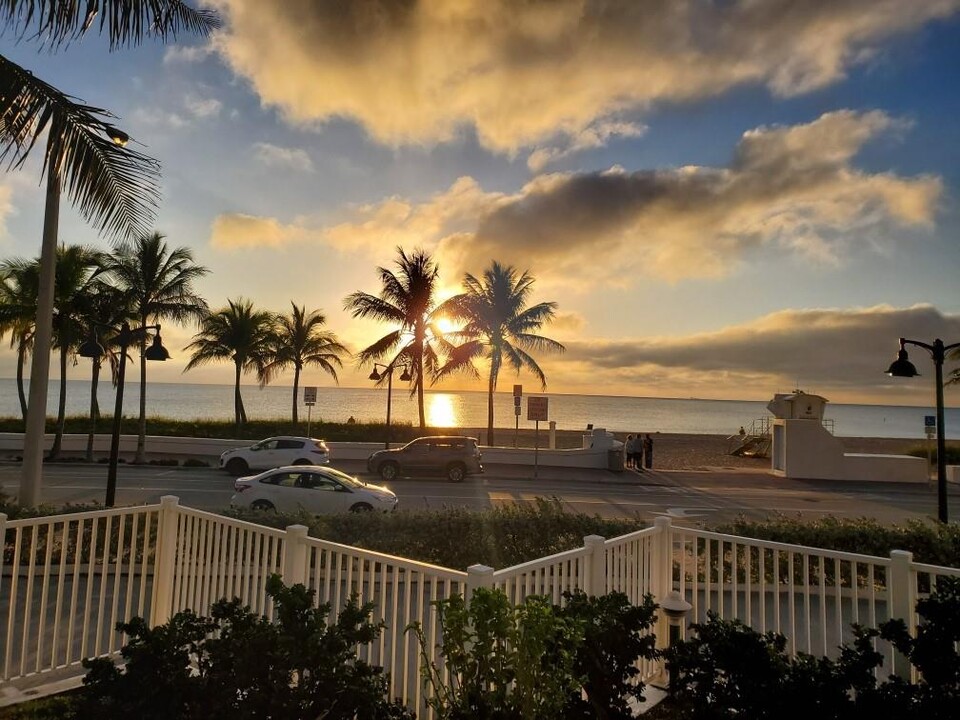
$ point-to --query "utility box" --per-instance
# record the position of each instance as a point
(615, 460)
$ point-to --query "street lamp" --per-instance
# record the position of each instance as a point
(676, 609)
(902, 367)
(388, 371)
(35, 426)
(93, 349)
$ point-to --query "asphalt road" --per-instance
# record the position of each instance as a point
(683, 495)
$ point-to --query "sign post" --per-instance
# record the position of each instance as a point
(309, 399)
(930, 427)
(537, 410)
(517, 393)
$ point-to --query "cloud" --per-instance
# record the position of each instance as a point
(288, 158)
(597, 135)
(788, 189)
(186, 54)
(236, 231)
(202, 108)
(824, 350)
(7, 209)
(520, 73)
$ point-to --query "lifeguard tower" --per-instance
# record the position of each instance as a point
(804, 449)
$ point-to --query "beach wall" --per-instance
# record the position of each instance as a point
(209, 449)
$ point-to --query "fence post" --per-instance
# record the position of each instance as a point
(478, 576)
(901, 594)
(165, 560)
(661, 575)
(595, 575)
(295, 555)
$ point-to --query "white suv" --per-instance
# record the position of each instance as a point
(275, 452)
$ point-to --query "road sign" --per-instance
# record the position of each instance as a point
(517, 390)
(516, 400)
(537, 408)
(930, 421)
(516, 409)
(309, 395)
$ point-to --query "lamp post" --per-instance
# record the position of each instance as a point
(902, 367)
(35, 427)
(388, 371)
(93, 349)
(676, 609)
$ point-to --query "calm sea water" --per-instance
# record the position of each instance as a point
(469, 409)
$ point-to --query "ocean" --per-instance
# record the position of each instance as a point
(469, 409)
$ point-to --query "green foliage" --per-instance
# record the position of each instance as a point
(238, 665)
(731, 671)
(56, 707)
(934, 543)
(498, 537)
(194, 463)
(534, 660)
(614, 634)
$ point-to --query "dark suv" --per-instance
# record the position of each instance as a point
(450, 455)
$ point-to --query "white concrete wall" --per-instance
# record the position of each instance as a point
(806, 450)
(209, 449)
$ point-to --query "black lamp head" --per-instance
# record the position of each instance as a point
(902, 367)
(157, 351)
(405, 375)
(91, 347)
(374, 375)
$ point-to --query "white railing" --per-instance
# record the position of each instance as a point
(65, 582)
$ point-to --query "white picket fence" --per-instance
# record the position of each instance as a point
(66, 580)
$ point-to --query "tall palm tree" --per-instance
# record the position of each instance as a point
(498, 327)
(157, 284)
(239, 333)
(406, 301)
(19, 280)
(78, 272)
(298, 340)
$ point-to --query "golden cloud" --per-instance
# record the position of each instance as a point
(519, 74)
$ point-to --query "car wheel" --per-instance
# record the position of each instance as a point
(389, 471)
(361, 507)
(302, 461)
(237, 466)
(456, 472)
(263, 505)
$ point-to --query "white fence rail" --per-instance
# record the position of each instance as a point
(65, 582)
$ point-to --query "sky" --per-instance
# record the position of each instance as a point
(726, 199)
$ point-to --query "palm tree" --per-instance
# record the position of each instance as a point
(157, 284)
(406, 301)
(298, 340)
(499, 327)
(78, 272)
(19, 280)
(238, 333)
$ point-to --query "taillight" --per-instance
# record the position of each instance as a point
(241, 487)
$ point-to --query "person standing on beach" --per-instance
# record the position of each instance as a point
(648, 451)
(629, 451)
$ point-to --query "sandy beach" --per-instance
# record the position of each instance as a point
(680, 451)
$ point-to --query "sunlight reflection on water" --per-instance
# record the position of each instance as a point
(441, 410)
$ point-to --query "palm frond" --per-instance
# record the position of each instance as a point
(114, 188)
(124, 22)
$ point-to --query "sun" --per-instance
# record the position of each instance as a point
(446, 325)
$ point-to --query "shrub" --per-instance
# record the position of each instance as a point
(535, 660)
(164, 462)
(238, 665)
(194, 463)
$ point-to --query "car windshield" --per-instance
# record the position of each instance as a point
(347, 480)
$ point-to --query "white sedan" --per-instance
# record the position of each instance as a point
(316, 490)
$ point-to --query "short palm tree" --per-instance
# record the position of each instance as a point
(157, 284)
(406, 301)
(298, 341)
(19, 281)
(239, 333)
(498, 327)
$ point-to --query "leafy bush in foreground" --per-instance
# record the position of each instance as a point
(236, 665)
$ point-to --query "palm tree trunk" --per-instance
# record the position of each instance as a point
(237, 402)
(94, 408)
(21, 361)
(490, 388)
(61, 407)
(296, 387)
(141, 456)
(423, 417)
